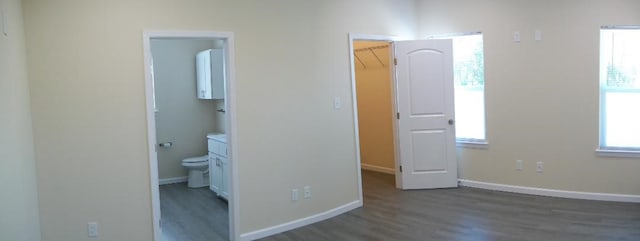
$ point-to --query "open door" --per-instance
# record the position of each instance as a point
(425, 99)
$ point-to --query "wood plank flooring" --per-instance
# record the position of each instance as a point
(192, 214)
(470, 214)
(459, 214)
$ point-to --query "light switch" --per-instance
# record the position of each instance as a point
(337, 103)
(538, 35)
(516, 36)
(92, 229)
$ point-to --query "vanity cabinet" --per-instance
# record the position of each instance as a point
(218, 165)
(210, 74)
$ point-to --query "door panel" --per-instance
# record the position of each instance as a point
(426, 146)
(425, 104)
(426, 80)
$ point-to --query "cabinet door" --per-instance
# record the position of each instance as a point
(215, 174)
(203, 74)
(212, 167)
(225, 178)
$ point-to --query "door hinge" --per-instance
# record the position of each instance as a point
(395, 61)
(400, 168)
(398, 115)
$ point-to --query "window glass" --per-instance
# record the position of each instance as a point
(468, 58)
(620, 88)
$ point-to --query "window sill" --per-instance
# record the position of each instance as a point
(618, 153)
(473, 144)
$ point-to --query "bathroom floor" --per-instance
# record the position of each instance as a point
(192, 214)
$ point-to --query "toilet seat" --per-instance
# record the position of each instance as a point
(195, 164)
(198, 171)
(197, 159)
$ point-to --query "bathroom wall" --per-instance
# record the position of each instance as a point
(541, 97)
(220, 121)
(181, 118)
(375, 113)
(19, 217)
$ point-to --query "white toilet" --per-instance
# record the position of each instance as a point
(198, 168)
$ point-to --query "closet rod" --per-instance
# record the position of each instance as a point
(371, 48)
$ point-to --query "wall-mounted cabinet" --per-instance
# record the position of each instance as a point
(210, 74)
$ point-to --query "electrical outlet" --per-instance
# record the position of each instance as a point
(540, 166)
(307, 192)
(519, 165)
(294, 194)
(92, 229)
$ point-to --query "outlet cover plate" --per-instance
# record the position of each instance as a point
(307, 192)
(519, 165)
(540, 166)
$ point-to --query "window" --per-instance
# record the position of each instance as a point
(468, 67)
(620, 88)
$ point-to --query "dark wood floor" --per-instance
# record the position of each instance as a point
(192, 214)
(444, 214)
(470, 214)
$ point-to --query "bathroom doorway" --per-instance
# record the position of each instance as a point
(185, 125)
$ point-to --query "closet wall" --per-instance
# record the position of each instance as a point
(375, 112)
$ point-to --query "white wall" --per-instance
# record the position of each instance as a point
(19, 219)
(86, 72)
(87, 91)
(541, 97)
(182, 118)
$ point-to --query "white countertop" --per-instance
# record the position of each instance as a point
(217, 136)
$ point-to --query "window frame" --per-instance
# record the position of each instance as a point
(603, 150)
(473, 143)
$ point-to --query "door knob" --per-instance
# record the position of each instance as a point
(451, 122)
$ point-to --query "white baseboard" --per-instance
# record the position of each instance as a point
(300, 222)
(377, 168)
(552, 192)
(172, 180)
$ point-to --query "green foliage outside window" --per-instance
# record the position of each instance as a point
(470, 72)
(619, 78)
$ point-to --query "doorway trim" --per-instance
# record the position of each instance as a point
(369, 37)
(230, 120)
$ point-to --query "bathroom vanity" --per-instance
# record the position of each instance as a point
(218, 165)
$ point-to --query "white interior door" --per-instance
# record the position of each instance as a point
(426, 114)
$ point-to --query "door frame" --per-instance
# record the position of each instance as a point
(383, 38)
(230, 120)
